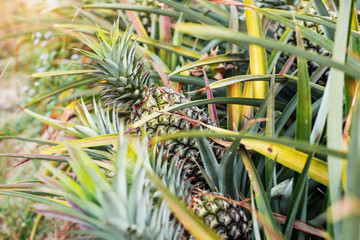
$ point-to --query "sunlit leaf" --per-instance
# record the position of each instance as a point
(238, 37)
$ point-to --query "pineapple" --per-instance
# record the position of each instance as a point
(224, 216)
(146, 18)
(308, 45)
(125, 83)
(279, 30)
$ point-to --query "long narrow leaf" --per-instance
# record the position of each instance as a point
(298, 195)
(210, 164)
(156, 43)
(210, 60)
(62, 73)
(227, 182)
(109, 139)
(271, 229)
(335, 116)
(192, 13)
(258, 61)
(238, 37)
(352, 223)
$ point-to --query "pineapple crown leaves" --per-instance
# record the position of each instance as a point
(101, 122)
(126, 206)
(123, 77)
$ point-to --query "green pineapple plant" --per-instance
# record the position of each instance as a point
(172, 169)
(129, 87)
(125, 83)
(279, 29)
(123, 206)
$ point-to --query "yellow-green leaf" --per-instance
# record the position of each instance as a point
(109, 139)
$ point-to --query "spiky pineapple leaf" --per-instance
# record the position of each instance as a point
(49, 121)
(331, 24)
(302, 132)
(285, 115)
(322, 11)
(351, 224)
(317, 90)
(210, 60)
(39, 141)
(335, 114)
(132, 7)
(319, 39)
(32, 197)
(35, 156)
(56, 91)
(227, 179)
(124, 207)
(198, 16)
(298, 195)
(271, 229)
(62, 73)
(65, 182)
(290, 158)
(258, 58)
(177, 41)
(275, 54)
(281, 153)
(155, 43)
(68, 214)
(234, 112)
(102, 140)
(216, 8)
(238, 37)
(218, 133)
(210, 163)
(270, 169)
(303, 113)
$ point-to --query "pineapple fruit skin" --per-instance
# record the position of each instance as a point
(224, 216)
(308, 45)
(185, 149)
(279, 30)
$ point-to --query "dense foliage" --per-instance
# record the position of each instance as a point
(189, 119)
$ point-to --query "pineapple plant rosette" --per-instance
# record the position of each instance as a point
(124, 206)
(125, 84)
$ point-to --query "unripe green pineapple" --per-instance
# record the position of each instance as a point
(125, 83)
(224, 216)
(159, 98)
(308, 45)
